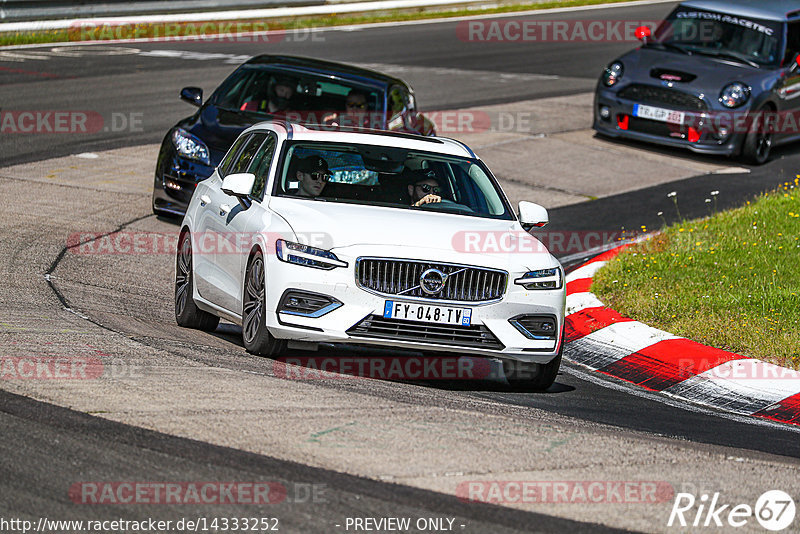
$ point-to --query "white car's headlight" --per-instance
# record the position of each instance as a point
(541, 279)
(190, 146)
(613, 73)
(734, 95)
(306, 255)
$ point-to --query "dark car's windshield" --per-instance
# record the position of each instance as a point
(301, 97)
(393, 177)
(751, 41)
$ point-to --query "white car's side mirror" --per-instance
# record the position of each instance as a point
(239, 185)
(532, 215)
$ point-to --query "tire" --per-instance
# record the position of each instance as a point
(187, 314)
(758, 142)
(518, 374)
(255, 334)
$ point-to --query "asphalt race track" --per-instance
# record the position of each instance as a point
(178, 406)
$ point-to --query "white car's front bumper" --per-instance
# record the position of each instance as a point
(491, 333)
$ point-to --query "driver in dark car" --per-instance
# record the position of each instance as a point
(280, 92)
(424, 187)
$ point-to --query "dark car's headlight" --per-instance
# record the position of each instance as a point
(541, 279)
(190, 146)
(734, 95)
(613, 73)
(306, 255)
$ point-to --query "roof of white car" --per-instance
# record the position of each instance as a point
(300, 132)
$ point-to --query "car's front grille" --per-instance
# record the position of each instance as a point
(461, 336)
(661, 129)
(673, 99)
(402, 278)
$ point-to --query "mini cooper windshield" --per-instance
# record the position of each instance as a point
(695, 31)
(394, 177)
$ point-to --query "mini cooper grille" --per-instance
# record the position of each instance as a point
(401, 278)
(650, 94)
(460, 336)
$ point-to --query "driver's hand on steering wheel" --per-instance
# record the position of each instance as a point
(428, 199)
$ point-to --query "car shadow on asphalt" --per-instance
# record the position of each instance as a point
(446, 371)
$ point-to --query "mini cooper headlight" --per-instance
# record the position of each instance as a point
(306, 255)
(613, 73)
(734, 95)
(541, 279)
(190, 146)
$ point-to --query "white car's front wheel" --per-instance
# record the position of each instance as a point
(255, 334)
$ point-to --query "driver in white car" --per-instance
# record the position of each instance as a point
(424, 188)
(312, 174)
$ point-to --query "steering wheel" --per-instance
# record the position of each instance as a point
(447, 205)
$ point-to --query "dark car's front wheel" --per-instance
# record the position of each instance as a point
(186, 311)
(758, 142)
(255, 334)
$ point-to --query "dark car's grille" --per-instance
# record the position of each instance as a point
(650, 94)
(402, 278)
(661, 129)
(461, 336)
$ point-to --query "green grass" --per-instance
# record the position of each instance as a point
(146, 31)
(731, 280)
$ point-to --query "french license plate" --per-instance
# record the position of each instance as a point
(427, 314)
(658, 114)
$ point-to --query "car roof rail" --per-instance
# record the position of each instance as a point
(356, 129)
(459, 143)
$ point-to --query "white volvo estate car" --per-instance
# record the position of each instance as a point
(365, 237)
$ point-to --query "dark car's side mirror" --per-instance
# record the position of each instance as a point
(192, 95)
(642, 33)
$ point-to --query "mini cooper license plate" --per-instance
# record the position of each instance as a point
(658, 114)
(426, 313)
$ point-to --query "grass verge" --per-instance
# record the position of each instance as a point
(146, 31)
(731, 280)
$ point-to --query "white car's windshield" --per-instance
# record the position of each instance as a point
(752, 41)
(400, 178)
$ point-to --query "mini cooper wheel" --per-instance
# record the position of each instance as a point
(255, 334)
(758, 142)
(186, 311)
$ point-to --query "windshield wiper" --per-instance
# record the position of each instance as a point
(728, 55)
(672, 46)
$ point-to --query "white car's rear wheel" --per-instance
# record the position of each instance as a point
(255, 334)
(186, 311)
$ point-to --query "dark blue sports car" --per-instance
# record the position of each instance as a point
(267, 87)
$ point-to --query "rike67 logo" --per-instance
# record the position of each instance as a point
(774, 510)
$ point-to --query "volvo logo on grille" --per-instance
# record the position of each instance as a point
(432, 281)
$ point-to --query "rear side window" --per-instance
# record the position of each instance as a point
(231, 155)
(261, 164)
(248, 152)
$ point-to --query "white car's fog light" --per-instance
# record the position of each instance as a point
(306, 304)
(541, 279)
(306, 255)
(535, 326)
